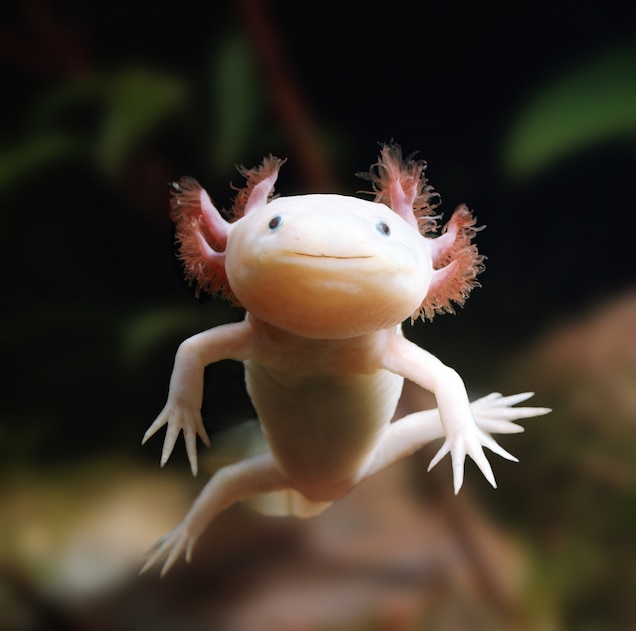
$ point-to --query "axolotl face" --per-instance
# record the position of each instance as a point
(327, 266)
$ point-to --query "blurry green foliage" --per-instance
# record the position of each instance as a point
(107, 124)
(236, 102)
(137, 102)
(107, 116)
(102, 118)
(33, 154)
(589, 104)
(143, 332)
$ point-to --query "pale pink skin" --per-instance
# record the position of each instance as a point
(326, 290)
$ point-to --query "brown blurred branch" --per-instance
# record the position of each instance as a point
(286, 97)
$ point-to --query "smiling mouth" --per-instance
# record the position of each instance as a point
(329, 256)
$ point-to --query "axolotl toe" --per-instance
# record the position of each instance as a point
(326, 282)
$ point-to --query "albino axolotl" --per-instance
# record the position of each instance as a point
(326, 281)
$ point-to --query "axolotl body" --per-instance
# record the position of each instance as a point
(326, 281)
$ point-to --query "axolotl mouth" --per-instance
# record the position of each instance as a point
(332, 263)
(332, 256)
(336, 263)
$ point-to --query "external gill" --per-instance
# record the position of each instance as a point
(202, 232)
(456, 264)
(400, 183)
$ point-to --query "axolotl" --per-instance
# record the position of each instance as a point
(326, 282)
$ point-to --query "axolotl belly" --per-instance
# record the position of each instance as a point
(324, 415)
(326, 281)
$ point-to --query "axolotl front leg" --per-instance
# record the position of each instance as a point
(463, 436)
(182, 411)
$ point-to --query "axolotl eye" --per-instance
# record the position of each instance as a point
(383, 228)
(275, 222)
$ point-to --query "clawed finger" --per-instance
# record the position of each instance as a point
(499, 426)
(168, 443)
(513, 399)
(156, 551)
(492, 444)
(512, 414)
(458, 455)
(171, 546)
(479, 457)
(175, 552)
(443, 450)
(159, 422)
(486, 399)
(189, 549)
(190, 438)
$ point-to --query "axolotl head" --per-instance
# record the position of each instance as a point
(329, 266)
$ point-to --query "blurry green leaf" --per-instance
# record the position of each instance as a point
(66, 99)
(137, 102)
(236, 101)
(144, 332)
(123, 109)
(593, 103)
(21, 161)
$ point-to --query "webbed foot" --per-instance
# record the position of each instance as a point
(239, 481)
(470, 442)
(493, 414)
(179, 417)
(171, 546)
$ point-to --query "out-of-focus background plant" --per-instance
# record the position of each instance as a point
(526, 111)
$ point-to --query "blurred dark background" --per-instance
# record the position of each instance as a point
(524, 111)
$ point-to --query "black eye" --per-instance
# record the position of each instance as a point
(383, 228)
(275, 222)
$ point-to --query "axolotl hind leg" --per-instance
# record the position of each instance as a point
(493, 414)
(247, 478)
